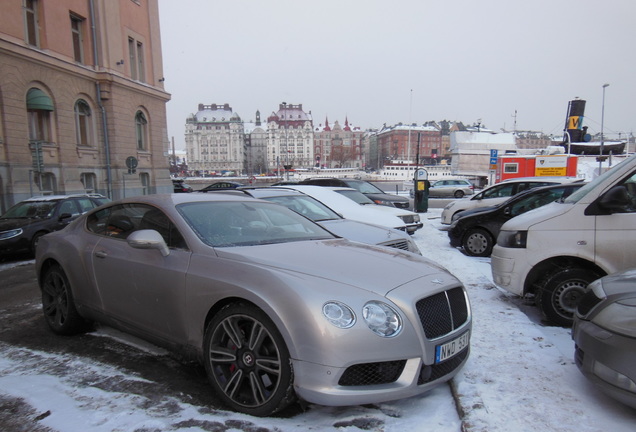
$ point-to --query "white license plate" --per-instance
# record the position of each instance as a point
(449, 349)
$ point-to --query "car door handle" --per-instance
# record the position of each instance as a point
(101, 254)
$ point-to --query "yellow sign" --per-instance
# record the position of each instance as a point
(551, 166)
(575, 122)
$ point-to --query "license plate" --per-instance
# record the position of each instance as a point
(449, 349)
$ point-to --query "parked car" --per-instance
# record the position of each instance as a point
(221, 185)
(374, 193)
(604, 334)
(330, 220)
(22, 226)
(476, 230)
(554, 252)
(274, 306)
(457, 188)
(353, 205)
(499, 193)
(180, 186)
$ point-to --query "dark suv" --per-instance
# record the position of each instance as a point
(24, 223)
(180, 186)
(373, 192)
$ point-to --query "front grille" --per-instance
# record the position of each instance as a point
(587, 303)
(436, 371)
(443, 312)
(372, 373)
(402, 205)
(409, 219)
(397, 244)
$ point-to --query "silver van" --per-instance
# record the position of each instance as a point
(555, 251)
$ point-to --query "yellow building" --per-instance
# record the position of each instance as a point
(82, 103)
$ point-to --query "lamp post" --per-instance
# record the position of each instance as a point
(600, 159)
(286, 141)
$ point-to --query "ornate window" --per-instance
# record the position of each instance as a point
(141, 131)
(83, 123)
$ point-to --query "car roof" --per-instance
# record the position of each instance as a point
(545, 178)
(61, 197)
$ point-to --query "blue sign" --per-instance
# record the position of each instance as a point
(493, 153)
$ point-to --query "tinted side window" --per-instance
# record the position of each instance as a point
(119, 221)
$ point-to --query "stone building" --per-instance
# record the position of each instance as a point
(215, 141)
(290, 138)
(337, 146)
(81, 93)
(256, 147)
(400, 142)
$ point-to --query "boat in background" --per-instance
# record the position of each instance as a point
(577, 141)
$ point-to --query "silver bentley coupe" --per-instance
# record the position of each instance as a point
(277, 308)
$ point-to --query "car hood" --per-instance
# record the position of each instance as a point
(620, 283)
(366, 267)
(8, 224)
(478, 210)
(360, 231)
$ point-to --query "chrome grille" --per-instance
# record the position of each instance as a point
(443, 312)
(397, 244)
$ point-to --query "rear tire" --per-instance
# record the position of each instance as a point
(58, 304)
(478, 242)
(459, 194)
(560, 293)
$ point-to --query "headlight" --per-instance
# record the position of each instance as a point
(449, 205)
(512, 239)
(619, 317)
(382, 319)
(339, 314)
(597, 288)
(10, 234)
(416, 218)
(383, 202)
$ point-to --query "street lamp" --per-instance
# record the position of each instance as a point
(286, 141)
(600, 159)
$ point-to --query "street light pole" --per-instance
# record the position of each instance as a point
(286, 141)
(600, 159)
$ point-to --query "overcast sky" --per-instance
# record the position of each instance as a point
(407, 61)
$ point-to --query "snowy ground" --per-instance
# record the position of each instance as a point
(520, 377)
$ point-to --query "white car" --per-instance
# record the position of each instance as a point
(499, 193)
(326, 217)
(353, 205)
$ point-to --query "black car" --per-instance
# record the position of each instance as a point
(181, 186)
(374, 193)
(476, 230)
(24, 223)
(221, 185)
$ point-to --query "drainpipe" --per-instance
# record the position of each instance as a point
(98, 89)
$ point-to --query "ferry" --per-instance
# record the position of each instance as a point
(405, 171)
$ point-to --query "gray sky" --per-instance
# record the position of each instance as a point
(407, 61)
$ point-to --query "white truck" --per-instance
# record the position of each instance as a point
(555, 251)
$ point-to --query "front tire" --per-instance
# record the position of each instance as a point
(561, 292)
(247, 361)
(478, 242)
(58, 304)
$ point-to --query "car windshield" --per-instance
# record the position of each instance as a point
(356, 196)
(364, 187)
(228, 224)
(579, 194)
(306, 206)
(31, 210)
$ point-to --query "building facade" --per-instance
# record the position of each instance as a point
(338, 147)
(215, 141)
(290, 138)
(81, 99)
(400, 142)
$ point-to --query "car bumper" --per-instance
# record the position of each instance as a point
(606, 359)
(454, 235)
(372, 382)
(509, 268)
(411, 228)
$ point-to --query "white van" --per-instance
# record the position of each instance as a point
(555, 251)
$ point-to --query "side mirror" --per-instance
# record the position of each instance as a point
(616, 199)
(64, 216)
(148, 239)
